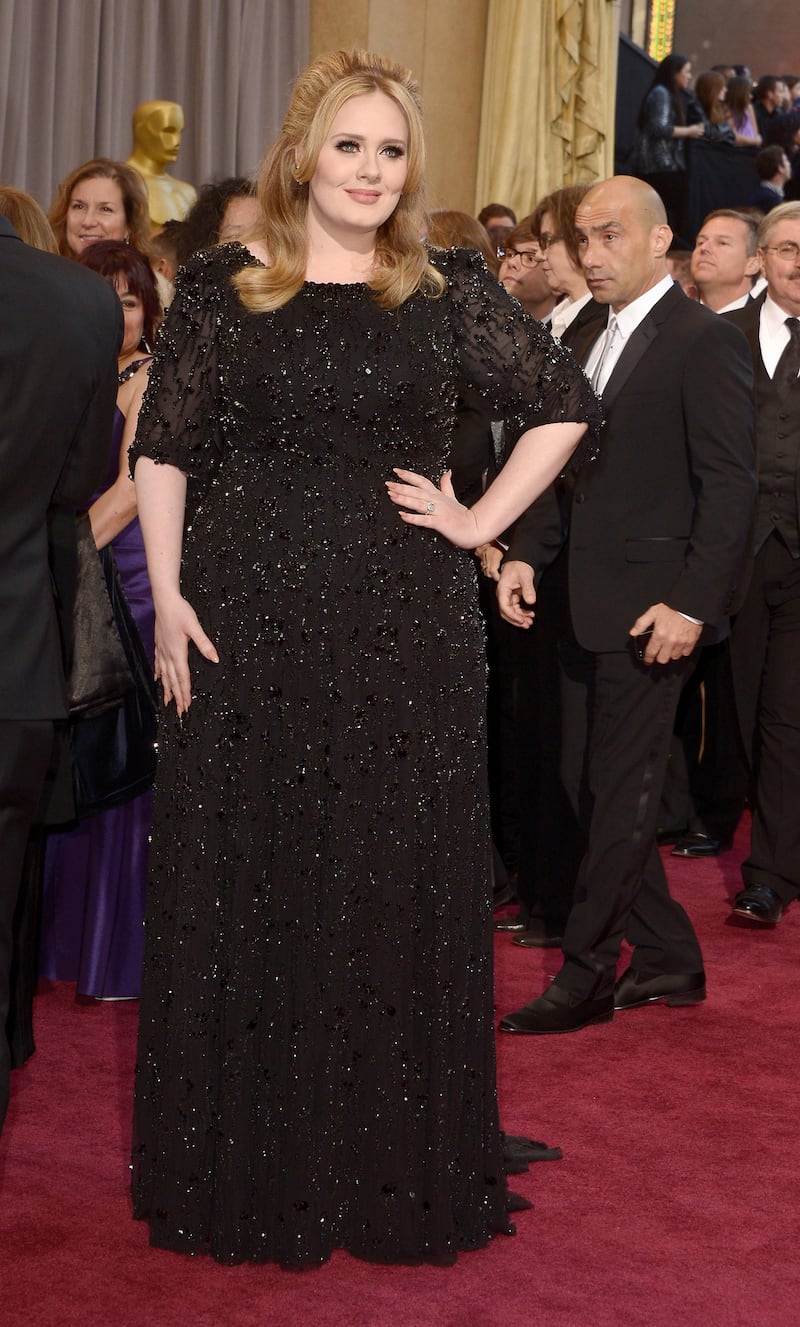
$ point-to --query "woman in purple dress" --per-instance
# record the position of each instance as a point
(95, 874)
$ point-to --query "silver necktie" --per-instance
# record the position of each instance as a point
(604, 365)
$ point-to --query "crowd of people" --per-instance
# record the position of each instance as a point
(724, 106)
(276, 373)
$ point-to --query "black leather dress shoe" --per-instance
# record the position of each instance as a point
(759, 903)
(672, 988)
(558, 1011)
(538, 935)
(515, 921)
(698, 844)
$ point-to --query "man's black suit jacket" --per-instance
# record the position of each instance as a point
(664, 514)
(60, 330)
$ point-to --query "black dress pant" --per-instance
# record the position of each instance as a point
(25, 749)
(552, 839)
(765, 653)
(707, 777)
(619, 716)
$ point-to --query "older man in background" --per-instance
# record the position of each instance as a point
(765, 643)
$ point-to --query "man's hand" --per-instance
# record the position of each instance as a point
(515, 588)
(490, 556)
(673, 636)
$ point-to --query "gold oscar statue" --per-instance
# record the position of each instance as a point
(157, 129)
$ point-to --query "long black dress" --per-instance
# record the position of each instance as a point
(316, 1055)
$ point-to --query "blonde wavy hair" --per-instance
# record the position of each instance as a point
(401, 261)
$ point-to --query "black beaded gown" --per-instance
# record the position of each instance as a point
(316, 1053)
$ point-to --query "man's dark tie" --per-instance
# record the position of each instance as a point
(789, 362)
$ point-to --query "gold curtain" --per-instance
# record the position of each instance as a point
(549, 92)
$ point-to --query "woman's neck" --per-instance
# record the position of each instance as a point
(341, 270)
(339, 256)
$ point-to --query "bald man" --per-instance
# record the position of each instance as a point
(657, 541)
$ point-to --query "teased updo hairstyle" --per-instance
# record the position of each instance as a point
(401, 261)
(113, 259)
(134, 198)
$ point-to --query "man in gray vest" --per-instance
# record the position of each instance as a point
(765, 642)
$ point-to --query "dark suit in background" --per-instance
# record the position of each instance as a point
(765, 642)
(552, 842)
(513, 697)
(60, 329)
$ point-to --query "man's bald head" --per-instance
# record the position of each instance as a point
(623, 239)
(625, 191)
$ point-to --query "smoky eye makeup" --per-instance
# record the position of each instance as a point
(392, 150)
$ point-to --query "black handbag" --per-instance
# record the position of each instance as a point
(114, 751)
(99, 672)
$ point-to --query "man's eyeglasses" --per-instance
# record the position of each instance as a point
(527, 257)
(788, 250)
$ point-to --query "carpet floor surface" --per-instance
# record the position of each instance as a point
(675, 1204)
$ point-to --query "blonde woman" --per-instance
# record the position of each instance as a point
(316, 1065)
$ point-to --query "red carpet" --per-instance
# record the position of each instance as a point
(674, 1206)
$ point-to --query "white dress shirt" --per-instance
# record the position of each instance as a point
(565, 313)
(734, 304)
(753, 293)
(627, 320)
(773, 334)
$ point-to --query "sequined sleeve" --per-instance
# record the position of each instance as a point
(525, 376)
(181, 419)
